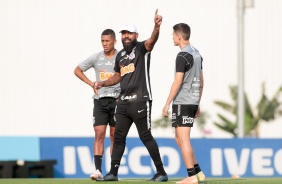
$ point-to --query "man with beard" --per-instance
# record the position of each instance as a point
(135, 101)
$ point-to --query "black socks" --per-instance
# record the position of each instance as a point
(197, 168)
(98, 162)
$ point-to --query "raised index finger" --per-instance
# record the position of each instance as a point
(156, 13)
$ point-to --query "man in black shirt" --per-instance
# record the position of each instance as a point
(134, 104)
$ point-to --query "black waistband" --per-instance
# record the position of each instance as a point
(107, 98)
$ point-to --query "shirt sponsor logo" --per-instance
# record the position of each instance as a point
(105, 75)
(195, 85)
(108, 95)
(108, 63)
(129, 97)
(127, 69)
(196, 94)
(195, 98)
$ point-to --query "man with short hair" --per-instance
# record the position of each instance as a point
(135, 102)
(186, 92)
(105, 98)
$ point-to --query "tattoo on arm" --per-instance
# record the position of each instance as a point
(149, 44)
(112, 80)
(155, 35)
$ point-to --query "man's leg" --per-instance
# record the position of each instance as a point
(100, 132)
(153, 149)
(100, 121)
(141, 114)
(183, 120)
(123, 124)
(200, 174)
(112, 131)
(98, 149)
(182, 137)
(112, 122)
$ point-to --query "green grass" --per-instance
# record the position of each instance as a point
(141, 181)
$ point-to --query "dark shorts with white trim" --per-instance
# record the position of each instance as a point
(103, 111)
(183, 115)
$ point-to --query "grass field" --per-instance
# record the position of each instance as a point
(141, 181)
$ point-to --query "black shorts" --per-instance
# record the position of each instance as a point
(183, 115)
(103, 111)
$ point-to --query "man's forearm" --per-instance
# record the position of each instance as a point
(149, 44)
(155, 34)
(79, 73)
(201, 92)
(111, 81)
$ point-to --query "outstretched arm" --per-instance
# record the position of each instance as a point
(149, 43)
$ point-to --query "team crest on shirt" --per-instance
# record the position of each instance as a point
(102, 57)
(123, 58)
(131, 56)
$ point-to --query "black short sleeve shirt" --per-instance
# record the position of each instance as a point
(135, 78)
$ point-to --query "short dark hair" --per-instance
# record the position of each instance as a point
(182, 29)
(109, 32)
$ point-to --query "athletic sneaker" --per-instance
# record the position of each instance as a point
(189, 180)
(159, 178)
(201, 177)
(95, 175)
(108, 177)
